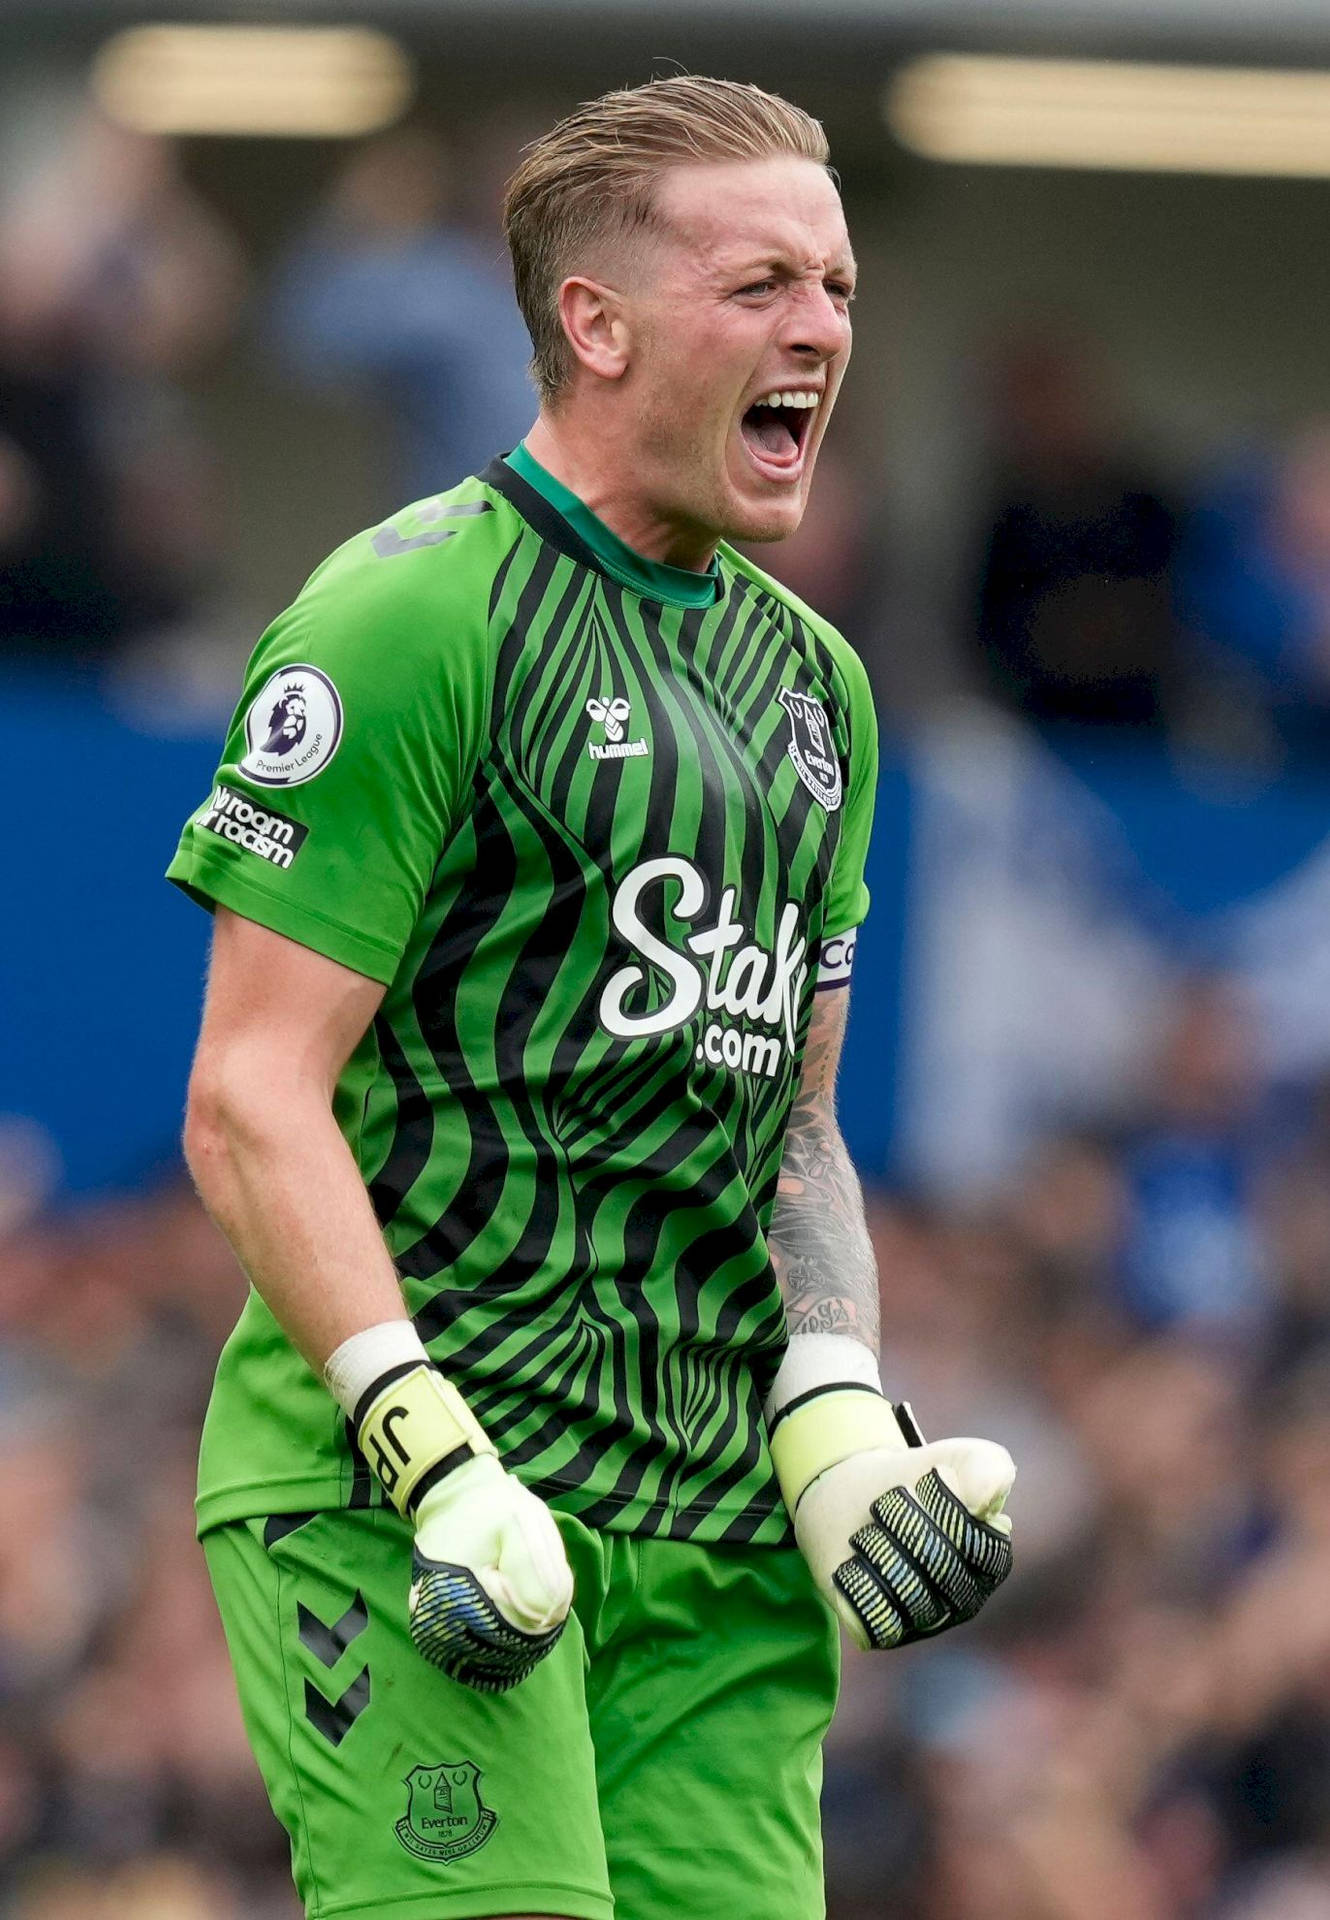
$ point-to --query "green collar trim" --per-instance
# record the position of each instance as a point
(679, 586)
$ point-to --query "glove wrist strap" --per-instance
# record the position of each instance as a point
(826, 1425)
(414, 1428)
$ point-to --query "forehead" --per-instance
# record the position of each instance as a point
(784, 208)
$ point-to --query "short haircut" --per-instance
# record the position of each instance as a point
(595, 173)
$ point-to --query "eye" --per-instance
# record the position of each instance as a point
(839, 290)
(758, 286)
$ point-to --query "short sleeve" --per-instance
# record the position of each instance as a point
(349, 760)
(847, 901)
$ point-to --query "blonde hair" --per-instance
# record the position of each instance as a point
(596, 172)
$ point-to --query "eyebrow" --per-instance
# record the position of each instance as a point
(773, 262)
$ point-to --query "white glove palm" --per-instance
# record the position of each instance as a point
(491, 1585)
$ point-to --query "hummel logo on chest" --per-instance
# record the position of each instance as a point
(613, 716)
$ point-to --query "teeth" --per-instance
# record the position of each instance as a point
(791, 399)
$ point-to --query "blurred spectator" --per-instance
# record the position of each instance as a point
(388, 287)
(114, 281)
(1295, 1223)
(1191, 1250)
(1254, 583)
(1073, 603)
(58, 585)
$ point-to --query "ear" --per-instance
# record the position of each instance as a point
(597, 327)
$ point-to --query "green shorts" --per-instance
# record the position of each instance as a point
(663, 1763)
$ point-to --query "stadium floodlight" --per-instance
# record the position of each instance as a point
(1113, 115)
(291, 81)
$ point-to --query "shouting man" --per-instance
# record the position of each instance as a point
(515, 1097)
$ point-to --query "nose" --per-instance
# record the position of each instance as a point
(817, 329)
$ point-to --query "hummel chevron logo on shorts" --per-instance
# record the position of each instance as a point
(328, 1641)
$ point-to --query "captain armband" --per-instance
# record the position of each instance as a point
(835, 960)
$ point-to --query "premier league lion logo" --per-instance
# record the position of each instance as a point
(293, 727)
(286, 722)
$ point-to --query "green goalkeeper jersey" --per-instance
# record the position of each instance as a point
(598, 825)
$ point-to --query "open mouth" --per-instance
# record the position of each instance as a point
(777, 427)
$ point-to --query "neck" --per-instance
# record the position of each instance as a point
(610, 483)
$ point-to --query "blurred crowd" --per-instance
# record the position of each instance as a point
(1102, 595)
(1137, 1729)
(120, 288)
(127, 1791)
(115, 283)
(1094, 590)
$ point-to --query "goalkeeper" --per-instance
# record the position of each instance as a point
(550, 1443)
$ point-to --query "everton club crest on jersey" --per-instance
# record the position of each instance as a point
(811, 747)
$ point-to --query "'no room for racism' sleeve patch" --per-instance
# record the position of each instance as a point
(258, 830)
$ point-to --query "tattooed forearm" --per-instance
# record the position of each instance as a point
(819, 1241)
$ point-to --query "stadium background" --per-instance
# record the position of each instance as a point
(1075, 512)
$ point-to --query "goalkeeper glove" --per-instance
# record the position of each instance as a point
(490, 1582)
(904, 1539)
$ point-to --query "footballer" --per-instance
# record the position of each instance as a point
(550, 1445)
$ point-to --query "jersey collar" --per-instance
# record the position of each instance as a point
(676, 586)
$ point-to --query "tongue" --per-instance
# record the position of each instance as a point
(773, 436)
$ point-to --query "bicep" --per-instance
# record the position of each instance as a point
(281, 1007)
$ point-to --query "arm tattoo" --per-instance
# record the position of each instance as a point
(819, 1239)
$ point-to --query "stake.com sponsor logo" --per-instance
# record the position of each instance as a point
(757, 987)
